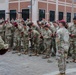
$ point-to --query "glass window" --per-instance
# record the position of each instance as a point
(68, 17)
(12, 14)
(41, 14)
(60, 15)
(74, 14)
(25, 14)
(52, 16)
(2, 14)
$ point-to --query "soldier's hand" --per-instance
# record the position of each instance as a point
(51, 35)
(72, 35)
(41, 37)
(29, 38)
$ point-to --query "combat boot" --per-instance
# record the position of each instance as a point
(61, 74)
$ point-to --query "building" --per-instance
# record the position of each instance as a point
(3, 9)
(48, 9)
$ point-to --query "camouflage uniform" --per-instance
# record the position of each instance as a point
(8, 33)
(35, 41)
(3, 47)
(34, 27)
(27, 21)
(73, 41)
(47, 41)
(62, 41)
(25, 39)
(41, 45)
(1, 30)
(18, 37)
(54, 29)
(2, 44)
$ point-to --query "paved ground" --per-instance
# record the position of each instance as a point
(12, 64)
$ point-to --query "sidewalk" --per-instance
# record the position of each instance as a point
(12, 64)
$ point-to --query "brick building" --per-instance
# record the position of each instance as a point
(48, 9)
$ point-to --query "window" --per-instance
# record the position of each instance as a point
(60, 15)
(52, 16)
(2, 14)
(41, 14)
(74, 14)
(68, 17)
(25, 14)
(12, 14)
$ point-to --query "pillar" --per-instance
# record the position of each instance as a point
(56, 14)
(34, 10)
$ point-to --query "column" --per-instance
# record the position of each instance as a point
(47, 11)
(18, 14)
(72, 14)
(56, 14)
(7, 9)
(34, 10)
(65, 13)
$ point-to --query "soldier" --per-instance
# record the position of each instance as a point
(25, 38)
(72, 30)
(8, 33)
(3, 47)
(17, 36)
(3, 30)
(62, 41)
(34, 27)
(47, 41)
(54, 29)
(34, 38)
(41, 45)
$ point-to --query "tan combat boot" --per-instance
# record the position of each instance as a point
(61, 74)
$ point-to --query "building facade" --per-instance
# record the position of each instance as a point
(4, 8)
(49, 9)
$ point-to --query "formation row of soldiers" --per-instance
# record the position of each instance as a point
(43, 38)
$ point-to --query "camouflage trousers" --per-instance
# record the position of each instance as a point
(41, 46)
(73, 49)
(17, 43)
(25, 44)
(36, 45)
(62, 57)
(8, 40)
(47, 44)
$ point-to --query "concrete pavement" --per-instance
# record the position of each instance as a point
(12, 64)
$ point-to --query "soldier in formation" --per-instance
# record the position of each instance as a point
(72, 31)
(62, 41)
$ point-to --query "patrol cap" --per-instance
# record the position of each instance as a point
(74, 18)
(15, 24)
(64, 23)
